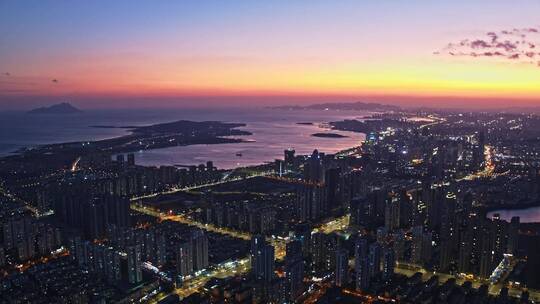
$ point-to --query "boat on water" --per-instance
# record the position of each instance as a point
(239, 154)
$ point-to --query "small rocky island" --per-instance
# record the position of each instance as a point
(57, 109)
(328, 135)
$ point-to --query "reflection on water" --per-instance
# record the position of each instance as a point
(267, 143)
(273, 131)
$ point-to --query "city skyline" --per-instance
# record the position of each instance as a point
(158, 54)
(251, 152)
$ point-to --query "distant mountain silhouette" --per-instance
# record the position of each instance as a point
(60, 108)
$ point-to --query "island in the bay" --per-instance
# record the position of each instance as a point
(328, 135)
(57, 109)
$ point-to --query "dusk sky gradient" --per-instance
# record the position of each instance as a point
(181, 53)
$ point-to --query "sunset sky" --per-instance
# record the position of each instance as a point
(171, 53)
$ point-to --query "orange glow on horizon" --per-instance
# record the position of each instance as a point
(422, 78)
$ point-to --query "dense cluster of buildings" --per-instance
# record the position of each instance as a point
(405, 217)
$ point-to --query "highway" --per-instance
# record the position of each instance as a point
(188, 221)
(194, 187)
(489, 166)
(436, 121)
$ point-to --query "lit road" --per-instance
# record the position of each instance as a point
(494, 289)
(489, 166)
(338, 224)
(296, 181)
(188, 221)
(223, 181)
(436, 121)
(278, 243)
(26, 204)
(231, 268)
(223, 270)
(75, 164)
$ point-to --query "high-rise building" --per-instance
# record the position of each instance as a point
(361, 263)
(499, 239)
(362, 211)
(200, 250)
(112, 265)
(95, 219)
(374, 259)
(210, 166)
(184, 259)
(445, 255)
(120, 159)
(311, 200)
(342, 267)
(486, 252)
(262, 259)
(313, 168)
(318, 252)
(421, 247)
(118, 210)
(148, 243)
(333, 185)
(294, 269)
(161, 250)
(513, 235)
(389, 262)
(302, 233)
(289, 159)
(278, 291)
(399, 245)
(131, 159)
(134, 264)
(416, 244)
(392, 212)
(465, 251)
(2, 257)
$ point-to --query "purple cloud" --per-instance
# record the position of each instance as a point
(507, 46)
(491, 54)
(480, 44)
(517, 49)
(493, 36)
